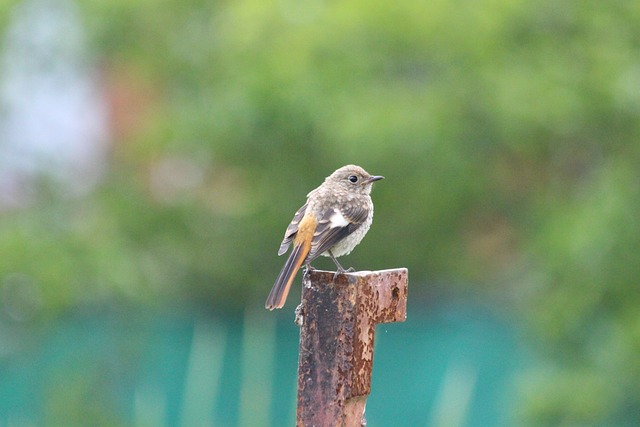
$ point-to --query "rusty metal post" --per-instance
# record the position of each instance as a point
(337, 323)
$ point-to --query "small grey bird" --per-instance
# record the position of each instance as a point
(334, 220)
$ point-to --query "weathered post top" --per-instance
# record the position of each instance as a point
(338, 315)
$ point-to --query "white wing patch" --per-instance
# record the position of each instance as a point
(337, 219)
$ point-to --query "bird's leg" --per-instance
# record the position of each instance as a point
(341, 269)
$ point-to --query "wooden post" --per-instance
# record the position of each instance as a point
(337, 321)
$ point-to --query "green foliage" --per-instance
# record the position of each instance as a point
(507, 131)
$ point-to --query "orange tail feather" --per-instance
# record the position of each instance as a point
(280, 290)
(301, 248)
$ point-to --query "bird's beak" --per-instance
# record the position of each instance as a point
(373, 178)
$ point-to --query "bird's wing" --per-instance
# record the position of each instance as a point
(292, 229)
(335, 225)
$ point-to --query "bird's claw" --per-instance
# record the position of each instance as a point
(341, 270)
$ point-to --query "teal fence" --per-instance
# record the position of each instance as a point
(448, 366)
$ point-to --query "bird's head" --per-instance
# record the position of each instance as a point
(354, 179)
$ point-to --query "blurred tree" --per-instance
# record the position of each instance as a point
(507, 131)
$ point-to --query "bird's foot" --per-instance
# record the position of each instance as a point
(339, 271)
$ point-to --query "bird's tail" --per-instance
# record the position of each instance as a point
(280, 290)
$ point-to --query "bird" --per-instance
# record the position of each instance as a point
(332, 222)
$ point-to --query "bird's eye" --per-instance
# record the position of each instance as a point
(353, 178)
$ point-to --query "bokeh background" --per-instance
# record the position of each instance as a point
(153, 152)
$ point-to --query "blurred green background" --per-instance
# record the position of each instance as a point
(153, 152)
